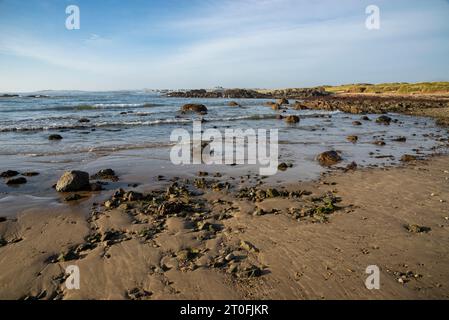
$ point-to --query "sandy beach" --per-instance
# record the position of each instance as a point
(311, 240)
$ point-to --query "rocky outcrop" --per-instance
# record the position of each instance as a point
(228, 94)
(73, 181)
(329, 158)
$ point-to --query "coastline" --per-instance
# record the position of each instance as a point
(183, 234)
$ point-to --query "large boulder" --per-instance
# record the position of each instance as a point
(198, 108)
(329, 158)
(73, 181)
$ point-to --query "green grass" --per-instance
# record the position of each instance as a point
(402, 87)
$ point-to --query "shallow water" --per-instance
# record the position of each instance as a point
(130, 132)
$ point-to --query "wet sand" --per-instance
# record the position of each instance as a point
(214, 243)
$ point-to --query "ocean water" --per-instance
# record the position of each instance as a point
(131, 131)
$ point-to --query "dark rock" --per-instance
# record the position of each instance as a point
(3, 242)
(198, 108)
(16, 181)
(353, 139)
(84, 120)
(365, 118)
(105, 174)
(73, 181)
(351, 167)
(283, 167)
(400, 139)
(329, 158)
(2, 219)
(386, 120)
(55, 137)
(233, 104)
(132, 196)
(9, 174)
(356, 123)
(292, 119)
(30, 174)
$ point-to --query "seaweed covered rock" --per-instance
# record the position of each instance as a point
(329, 158)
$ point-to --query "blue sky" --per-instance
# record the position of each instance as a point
(139, 44)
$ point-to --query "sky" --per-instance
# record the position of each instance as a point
(172, 44)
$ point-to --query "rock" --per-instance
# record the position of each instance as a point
(248, 246)
(105, 174)
(9, 174)
(282, 101)
(132, 196)
(16, 181)
(400, 139)
(275, 107)
(351, 167)
(408, 158)
(279, 117)
(329, 158)
(84, 120)
(365, 118)
(250, 272)
(198, 108)
(54, 137)
(283, 166)
(72, 181)
(384, 120)
(292, 119)
(352, 139)
(356, 123)
(2, 219)
(186, 255)
(230, 257)
(233, 104)
(272, 193)
(414, 228)
(110, 204)
(30, 174)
